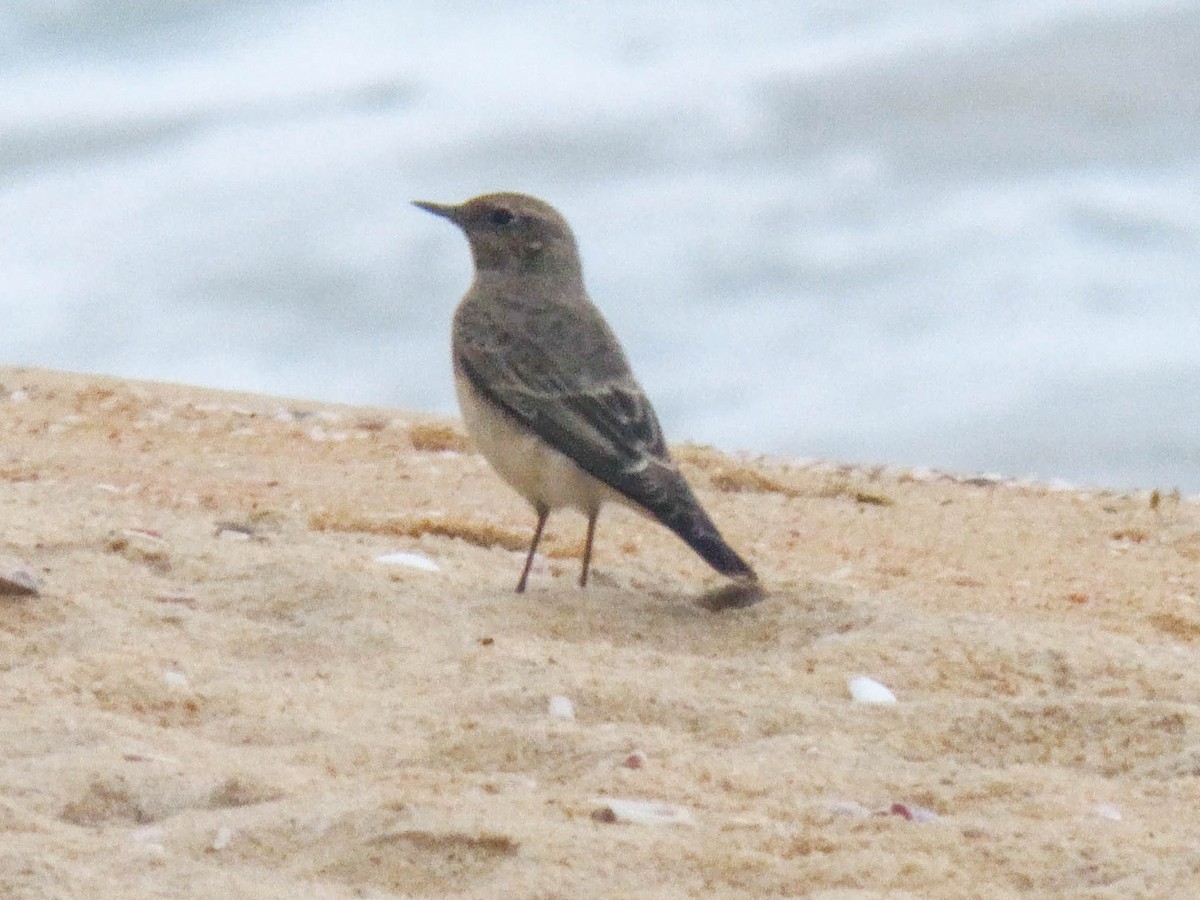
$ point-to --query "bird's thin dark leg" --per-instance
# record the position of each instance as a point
(542, 514)
(587, 547)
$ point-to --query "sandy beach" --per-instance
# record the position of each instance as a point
(274, 652)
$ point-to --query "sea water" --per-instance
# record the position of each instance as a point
(954, 234)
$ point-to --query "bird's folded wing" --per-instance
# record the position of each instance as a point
(603, 421)
(607, 426)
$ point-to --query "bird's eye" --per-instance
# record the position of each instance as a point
(500, 216)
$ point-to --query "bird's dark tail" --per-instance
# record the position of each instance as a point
(689, 520)
(718, 554)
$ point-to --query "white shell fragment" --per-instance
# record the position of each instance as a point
(911, 812)
(1107, 811)
(144, 536)
(561, 707)
(868, 690)
(640, 812)
(175, 680)
(139, 757)
(412, 560)
(223, 837)
(149, 839)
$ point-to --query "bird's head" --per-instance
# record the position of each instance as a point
(513, 233)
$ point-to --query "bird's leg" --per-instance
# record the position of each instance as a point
(542, 513)
(587, 546)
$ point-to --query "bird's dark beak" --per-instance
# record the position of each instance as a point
(445, 210)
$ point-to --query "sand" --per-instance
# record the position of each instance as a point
(219, 691)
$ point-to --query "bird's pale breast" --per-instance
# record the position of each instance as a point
(533, 468)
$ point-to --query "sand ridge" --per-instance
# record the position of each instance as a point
(219, 691)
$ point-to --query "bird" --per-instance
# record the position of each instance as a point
(546, 391)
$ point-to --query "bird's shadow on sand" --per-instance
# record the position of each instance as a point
(798, 612)
(735, 595)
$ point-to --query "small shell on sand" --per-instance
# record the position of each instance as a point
(616, 811)
(147, 536)
(868, 690)
(222, 838)
(238, 531)
(17, 583)
(139, 757)
(911, 812)
(149, 839)
(560, 707)
(635, 760)
(412, 560)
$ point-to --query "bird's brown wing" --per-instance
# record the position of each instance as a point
(587, 405)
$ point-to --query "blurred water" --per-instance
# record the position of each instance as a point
(964, 235)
